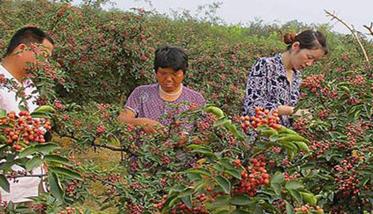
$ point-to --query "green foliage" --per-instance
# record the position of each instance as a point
(101, 56)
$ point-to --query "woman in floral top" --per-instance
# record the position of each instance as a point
(273, 82)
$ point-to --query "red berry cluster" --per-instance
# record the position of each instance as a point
(253, 177)
(69, 210)
(166, 160)
(291, 177)
(346, 178)
(308, 209)
(300, 125)
(104, 113)
(346, 165)
(323, 114)
(347, 185)
(279, 204)
(100, 129)
(72, 186)
(39, 208)
(326, 92)
(358, 80)
(206, 122)
(313, 82)
(319, 147)
(135, 208)
(353, 101)
(58, 105)
(181, 208)
(276, 149)
(262, 117)
(354, 130)
(161, 203)
(22, 129)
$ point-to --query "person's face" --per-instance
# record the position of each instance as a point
(169, 79)
(303, 58)
(29, 54)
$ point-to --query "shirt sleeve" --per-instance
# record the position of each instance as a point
(257, 88)
(200, 100)
(134, 102)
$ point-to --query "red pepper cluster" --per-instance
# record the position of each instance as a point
(253, 177)
(20, 130)
(262, 117)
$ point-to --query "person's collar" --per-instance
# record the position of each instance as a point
(177, 93)
(170, 96)
(6, 73)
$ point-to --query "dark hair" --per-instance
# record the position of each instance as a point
(170, 57)
(308, 39)
(27, 35)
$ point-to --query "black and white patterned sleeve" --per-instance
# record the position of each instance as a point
(257, 88)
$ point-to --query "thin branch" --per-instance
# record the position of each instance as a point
(25, 176)
(95, 145)
(370, 28)
(353, 31)
(113, 148)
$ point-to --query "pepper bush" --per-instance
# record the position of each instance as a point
(209, 160)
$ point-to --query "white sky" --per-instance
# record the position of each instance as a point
(355, 12)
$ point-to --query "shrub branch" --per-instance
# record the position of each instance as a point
(352, 30)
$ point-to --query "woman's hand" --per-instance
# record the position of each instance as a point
(303, 113)
(152, 126)
(285, 110)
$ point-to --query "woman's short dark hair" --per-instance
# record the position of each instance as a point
(170, 57)
(27, 35)
(308, 39)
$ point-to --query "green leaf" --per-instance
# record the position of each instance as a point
(309, 198)
(293, 185)
(4, 184)
(33, 163)
(57, 159)
(233, 172)
(296, 195)
(289, 208)
(66, 172)
(205, 152)
(221, 203)
(55, 186)
(224, 183)
(222, 121)
(46, 148)
(240, 200)
(28, 151)
(106, 206)
(199, 172)
(276, 182)
(196, 146)
(187, 200)
(3, 139)
(2, 113)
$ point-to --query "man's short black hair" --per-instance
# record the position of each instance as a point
(27, 35)
(170, 57)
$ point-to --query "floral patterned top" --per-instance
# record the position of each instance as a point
(268, 87)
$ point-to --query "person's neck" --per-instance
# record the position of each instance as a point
(170, 96)
(14, 69)
(286, 61)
